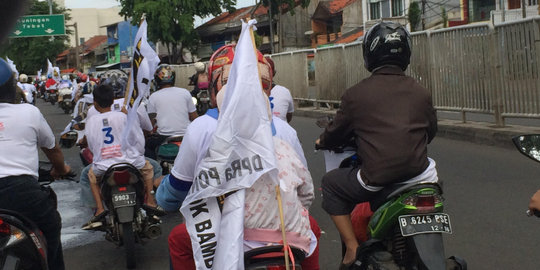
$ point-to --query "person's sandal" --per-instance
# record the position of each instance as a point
(95, 222)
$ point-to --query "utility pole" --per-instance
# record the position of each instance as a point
(271, 19)
(50, 6)
(76, 45)
(502, 9)
(523, 9)
(423, 14)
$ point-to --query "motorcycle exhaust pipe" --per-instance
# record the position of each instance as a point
(152, 231)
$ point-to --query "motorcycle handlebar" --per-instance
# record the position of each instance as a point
(45, 176)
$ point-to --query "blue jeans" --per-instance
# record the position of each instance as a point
(87, 200)
(24, 195)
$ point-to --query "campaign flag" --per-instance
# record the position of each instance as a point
(50, 68)
(241, 152)
(143, 65)
(38, 75)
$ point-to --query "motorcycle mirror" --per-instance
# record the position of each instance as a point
(194, 100)
(68, 139)
(528, 145)
(323, 122)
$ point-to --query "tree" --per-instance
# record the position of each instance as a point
(30, 54)
(444, 17)
(172, 21)
(414, 15)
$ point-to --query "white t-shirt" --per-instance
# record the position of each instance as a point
(283, 101)
(22, 128)
(29, 90)
(172, 107)
(104, 135)
(197, 140)
(144, 120)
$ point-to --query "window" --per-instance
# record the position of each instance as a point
(533, 2)
(81, 40)
(375, 10)
(397, 8)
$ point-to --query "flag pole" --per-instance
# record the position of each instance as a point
(278, 193)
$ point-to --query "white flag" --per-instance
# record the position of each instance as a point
(143, 66)
(50, 68)
(13, 68)
(241, 151)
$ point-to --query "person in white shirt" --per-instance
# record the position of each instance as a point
(170, 108)
(103, 134)
(23, 130)
(28, 89)
(280, 97)
(193, 149)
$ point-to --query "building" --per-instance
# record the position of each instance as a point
(336, 21)
(289, 31)
(90, 21)
(120, 39)
(92, 53)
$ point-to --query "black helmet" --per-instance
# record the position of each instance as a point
(5, 72)
(164, 75)
(118, 84)
(68, 140)
(387, 43)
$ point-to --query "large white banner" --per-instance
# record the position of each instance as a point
(241, 151)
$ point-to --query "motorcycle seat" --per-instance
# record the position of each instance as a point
(270, 252)
(122, 170)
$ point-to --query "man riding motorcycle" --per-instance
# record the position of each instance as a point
(391, 118)
(29, 89)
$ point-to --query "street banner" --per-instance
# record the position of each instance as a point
(39, 26)
(241, 151)
(145, 61)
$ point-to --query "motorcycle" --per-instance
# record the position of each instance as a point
(122, 190)
(22, 244)
(406, 227)
(529, 145)
(64, 99)
(167, 151)
(53, 96)
(203, 101)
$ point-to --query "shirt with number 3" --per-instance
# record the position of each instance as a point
(104, 136)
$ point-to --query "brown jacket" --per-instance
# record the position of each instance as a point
(392, 120)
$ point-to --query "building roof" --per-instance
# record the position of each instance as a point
(237, 15)
(91, 44)
(350, 36)
(330, 8)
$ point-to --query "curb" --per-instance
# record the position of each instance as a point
(475, 132)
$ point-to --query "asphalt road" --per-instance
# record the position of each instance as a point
(486, 190)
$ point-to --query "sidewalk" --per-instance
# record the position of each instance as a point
(476, 132)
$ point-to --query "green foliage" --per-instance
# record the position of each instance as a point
(444, 17)
(172, 21)
(258, 39)
(279, 5)
(414, 15)
(30, 54)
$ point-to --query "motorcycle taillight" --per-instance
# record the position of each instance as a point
(121, 177)
(423, 202)
(5, 229)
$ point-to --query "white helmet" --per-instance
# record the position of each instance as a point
(43, 77)
(65, 77)
(23, 78)
(200, 67)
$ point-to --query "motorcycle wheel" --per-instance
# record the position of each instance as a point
(128, 238)
(67, 110)
(53, 101)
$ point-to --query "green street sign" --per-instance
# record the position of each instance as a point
(39, 25)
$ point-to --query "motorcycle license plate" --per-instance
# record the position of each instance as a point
(424, 223)
(123, 199)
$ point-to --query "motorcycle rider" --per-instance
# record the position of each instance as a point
(23, 129)
(200, 79)
(170, 108)
(283, 105)
(173, 188)
(103, 133)
(391, 118)
(28, 89)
